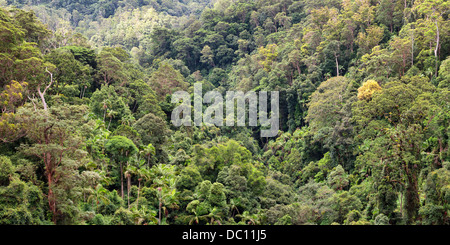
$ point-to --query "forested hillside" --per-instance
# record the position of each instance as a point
(85, 98)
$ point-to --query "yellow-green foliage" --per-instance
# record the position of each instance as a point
(269, 54)
(366, 91)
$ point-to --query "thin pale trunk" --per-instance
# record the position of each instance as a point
(41, 94)
(110, 119)
(134, 106)
(128, 189)
(337, 65)
(436, 49)
(121, 180)
(82, 92)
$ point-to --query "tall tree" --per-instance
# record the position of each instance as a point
(433, 23)
(56, 139)
(166, 80)
(121, 149)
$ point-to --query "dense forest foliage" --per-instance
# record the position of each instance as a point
(85, 98)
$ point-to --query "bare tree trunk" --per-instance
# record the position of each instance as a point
(83, 91)
(337, 65)
(42, 94)
(436, 49)
(121, 180)
(128, 188)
